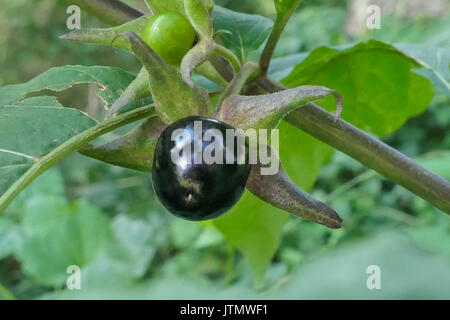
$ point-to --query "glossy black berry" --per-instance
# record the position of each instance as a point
(193, 190)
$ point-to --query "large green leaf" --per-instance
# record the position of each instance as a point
(27, 132)
(377, 82)
(112, 82)
(242, 33)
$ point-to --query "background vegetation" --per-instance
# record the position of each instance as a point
(107, 220)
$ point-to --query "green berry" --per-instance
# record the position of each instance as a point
(170, 35)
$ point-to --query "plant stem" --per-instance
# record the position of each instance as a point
(278, 28)
(114, 12)
(70, 145)
(248, 72)
(373, 153)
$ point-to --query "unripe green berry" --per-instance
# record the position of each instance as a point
(170, 35)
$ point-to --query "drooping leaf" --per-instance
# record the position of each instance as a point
(134, 150)
(105, 36)
(112, 82)
(241, 33)
(377, 82)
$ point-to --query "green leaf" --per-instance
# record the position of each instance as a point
(253, 227)
(39, 165)
(58, 235)
(134, 150)
(36, 130)
(112, 82)
(377, 82)
(244, 34)
(105, 36)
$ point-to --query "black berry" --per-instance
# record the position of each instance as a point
(196, 191)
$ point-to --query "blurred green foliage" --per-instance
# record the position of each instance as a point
(106, 219)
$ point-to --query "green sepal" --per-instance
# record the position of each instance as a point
(266, 111)
(105, 36)
(174, 98)
(134, 150)
(281, 192)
